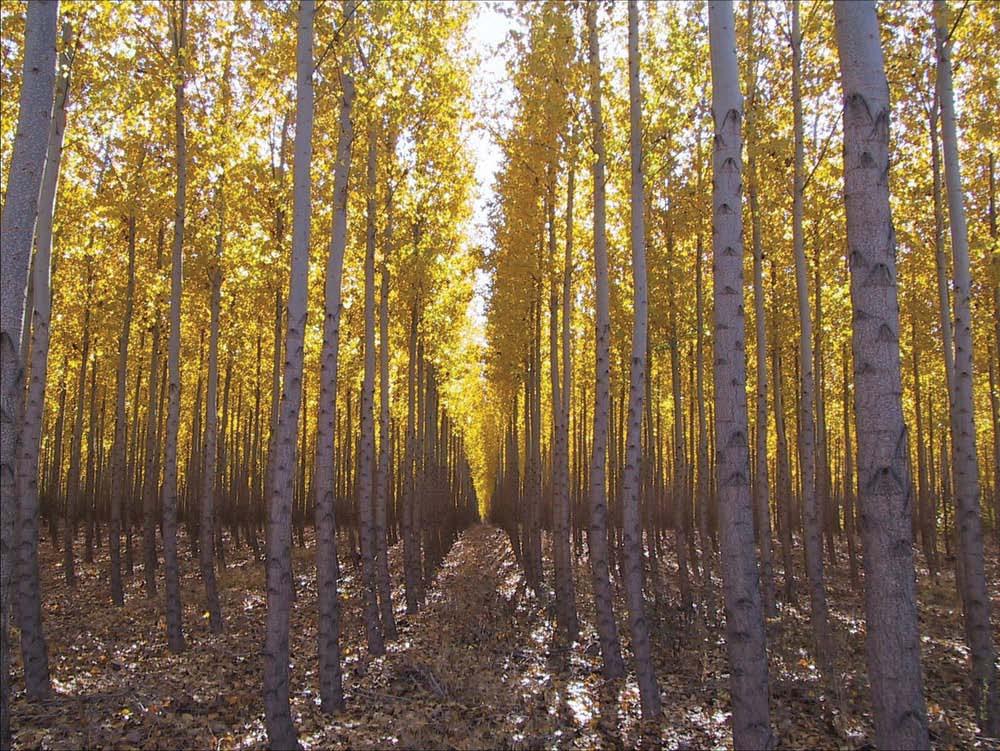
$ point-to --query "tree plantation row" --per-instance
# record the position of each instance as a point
(729, 310)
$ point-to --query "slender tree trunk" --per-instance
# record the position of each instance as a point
(411, 542)
(927, 520)
(118, 467)
(565, 588)
(366, 463)
(17, 228)
(209, 479)
(175, 636)
(892, 635)
(849, 483)
(649, 690)
(614, 667)
(965, 463)
(151, 475)
(745, 641)
(29, 607)
(331, 688)
(281, 472)
(73, 492)
(384, 585)
(761, 486)
(812, 522)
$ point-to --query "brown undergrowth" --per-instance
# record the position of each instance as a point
(479, 666)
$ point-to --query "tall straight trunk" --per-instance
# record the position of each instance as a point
(331, 690)
(649, 690)
(54, 486)
(701, 491)
(171, 568)
(745, 641)
(927, 520)
(994, 396)
(679, 492)
(565, 588)
(209, 478)
(761, 484)
(892, 635)
(118, 467)
(849, 483)
(73, 491)
(281, 463)
(985, 680)
(151, 474)
(133, 471)
(17, 228)
(366, 458)
(410, 516)
(34, 653)
(607, 629)
(995, 412)
(812, 513)
(382, 491)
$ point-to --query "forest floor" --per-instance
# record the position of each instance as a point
(478, 667)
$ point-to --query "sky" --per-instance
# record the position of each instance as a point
(488, 29)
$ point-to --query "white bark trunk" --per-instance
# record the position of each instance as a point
(324, 478)
(607, 630)
(986, 685)
(277, 710)
(649, 690)
(884, 488)
(17, 227)
(745, 642)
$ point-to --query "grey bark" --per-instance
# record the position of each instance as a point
(331, 689)
(884, 488)
(17, 227)
(171, 566)
(965, 463)
(118, 468)
(33, 648)
(649, 690)
(151, 474)
(745, 641)
(382, 496)
(762, 486)
(210, 445)
(607, 629)
(366, 459)
(281, 470)
(812, 522)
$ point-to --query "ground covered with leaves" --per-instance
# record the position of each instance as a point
(478, 667)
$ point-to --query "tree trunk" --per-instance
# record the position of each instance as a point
(649, 690)
(366, 459)
(29, 607)
(118, 468)
(965, 464)
(893, 639)
(812, 522)
(331, 688)
(849, 483)
(17, 228)
(175, 637)
(607, 630)
(206, 530)
(565, 588)
(761, 486)
(281, 472)
(382, 495)
(151, 475)
(745, 641)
